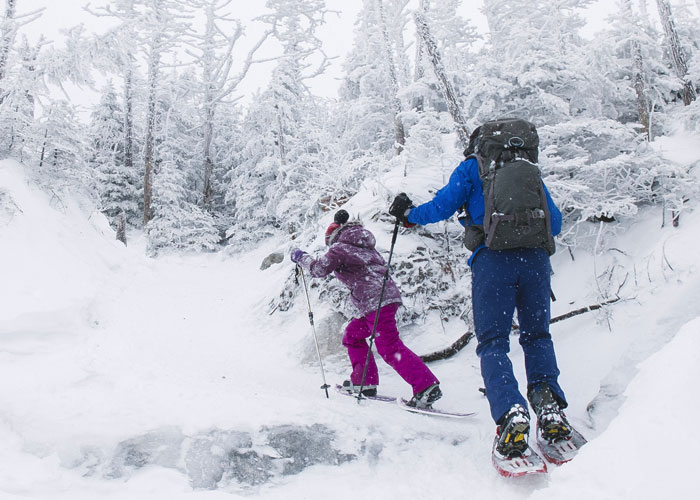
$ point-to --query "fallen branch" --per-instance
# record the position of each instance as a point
(461, 342)
(456, 346)
(583, 310)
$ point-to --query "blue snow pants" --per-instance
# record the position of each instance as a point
(503, 282)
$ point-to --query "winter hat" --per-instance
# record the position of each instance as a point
(340, 218)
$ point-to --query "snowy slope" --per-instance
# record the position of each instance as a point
(127, 377)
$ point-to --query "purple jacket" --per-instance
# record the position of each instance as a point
(357, 265)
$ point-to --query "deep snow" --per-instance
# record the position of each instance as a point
(129, 377)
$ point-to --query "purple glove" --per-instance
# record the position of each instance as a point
(296, 255)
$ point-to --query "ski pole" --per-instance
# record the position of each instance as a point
(376, 316)
(325, 386)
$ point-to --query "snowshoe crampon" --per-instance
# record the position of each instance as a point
(560, 451)
(527, 463)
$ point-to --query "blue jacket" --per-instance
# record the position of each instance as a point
(464, 188)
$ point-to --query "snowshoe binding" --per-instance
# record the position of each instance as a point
(425, 398)
(367, 390)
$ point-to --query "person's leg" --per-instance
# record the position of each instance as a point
(354, 339)
(493, 298)
(390, 347)
(534, 306)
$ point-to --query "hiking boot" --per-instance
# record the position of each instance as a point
(425, 398)
(551, 421)
(512, 432)
(367, 390)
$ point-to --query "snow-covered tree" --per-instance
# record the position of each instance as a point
(366, 116)
(178, 219)
(438, 67)
(629, 54)
(284, 157)
(117, 55)
(7, 35)
(164, 24)
(602, 170)
(9, 26)
(399, 132)
(214, 50)
(118, 183)
(679, 59)
(535, 65)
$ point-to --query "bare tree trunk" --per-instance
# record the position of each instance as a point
(400, 135)
(150, 134)
(418, 102)
(678, 58)
(128, 119)
(445, 83)
(208, 163)
(43, 148)
(643, 106)
(281, 144)
(208, 74)
(121, 228)
(638, 73)
(129, 105)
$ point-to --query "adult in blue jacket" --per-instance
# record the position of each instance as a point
(504, 281)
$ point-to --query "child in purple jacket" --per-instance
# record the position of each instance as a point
(356, 263)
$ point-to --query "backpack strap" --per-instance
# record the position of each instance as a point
(473, 233)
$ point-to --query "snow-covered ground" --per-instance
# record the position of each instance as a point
(129, 377)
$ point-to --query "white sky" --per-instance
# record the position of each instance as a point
(337, 33)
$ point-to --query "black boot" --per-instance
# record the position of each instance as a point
(367, 390)
(512, 432)
(426, 397)
(551, 421)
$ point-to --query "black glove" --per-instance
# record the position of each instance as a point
(400, 208)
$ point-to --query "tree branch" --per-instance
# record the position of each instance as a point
(462, 341)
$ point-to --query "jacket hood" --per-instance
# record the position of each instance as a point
(353, 234)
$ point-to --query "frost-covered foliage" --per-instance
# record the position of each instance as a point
(365, 121)
(434, 277)
(629, 53)
(118, 183)
(171, 140)
(535, 65)
(178, 221)
(285, 168)
(603, 170)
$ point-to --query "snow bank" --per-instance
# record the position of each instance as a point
(648, 451)
(54, 258)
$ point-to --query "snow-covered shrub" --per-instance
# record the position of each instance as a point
(604, 170)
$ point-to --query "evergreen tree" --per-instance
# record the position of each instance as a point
(118, 184)
(367, 123)
(214, 49)
(178, 220)
(535, 65)
(274, 185)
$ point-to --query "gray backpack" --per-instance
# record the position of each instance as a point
(516, 214)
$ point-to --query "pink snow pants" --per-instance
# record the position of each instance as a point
(389, 346)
